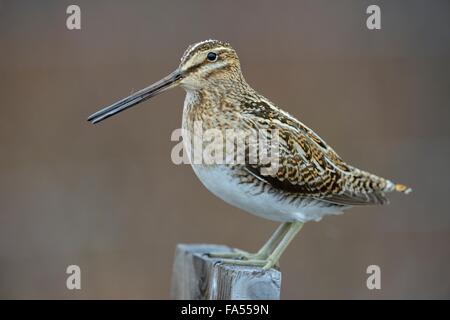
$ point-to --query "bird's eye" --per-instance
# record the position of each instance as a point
(211, 56)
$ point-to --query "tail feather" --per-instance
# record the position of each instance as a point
(402, 188)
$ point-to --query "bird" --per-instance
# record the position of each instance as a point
(311, 180)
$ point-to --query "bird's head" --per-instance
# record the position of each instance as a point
(209, 64)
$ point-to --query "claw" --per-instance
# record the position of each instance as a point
(265, 264)
(248, 263)
(235, 255)
(270, 264)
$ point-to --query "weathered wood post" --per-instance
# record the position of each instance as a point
(197, 276)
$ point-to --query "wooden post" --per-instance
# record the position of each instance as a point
(196, 276)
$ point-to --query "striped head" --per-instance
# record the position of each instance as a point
(210, 65)
(209, 62)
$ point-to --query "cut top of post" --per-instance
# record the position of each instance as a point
(196, 276)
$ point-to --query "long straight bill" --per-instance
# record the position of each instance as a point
(162, 85)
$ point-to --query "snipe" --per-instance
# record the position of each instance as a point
(311, 180)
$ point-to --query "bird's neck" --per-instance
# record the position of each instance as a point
(217, 98)
(199, 106)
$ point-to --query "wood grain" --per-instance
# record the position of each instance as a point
(196, 276)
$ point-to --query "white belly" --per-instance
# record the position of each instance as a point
(219, 180)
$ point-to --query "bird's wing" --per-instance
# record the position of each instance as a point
(307, 166)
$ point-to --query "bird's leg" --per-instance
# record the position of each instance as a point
(264, 252)
(272, 259)
(271, 244)
(276, 254)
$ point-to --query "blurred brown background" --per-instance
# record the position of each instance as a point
(109, 199)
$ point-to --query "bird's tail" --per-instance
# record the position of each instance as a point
(402, 188)
(398, 187)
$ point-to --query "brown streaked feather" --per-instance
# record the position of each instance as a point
(309, 167)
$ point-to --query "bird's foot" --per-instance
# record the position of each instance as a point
(234, 255)
(265, 264)
(237, 254)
